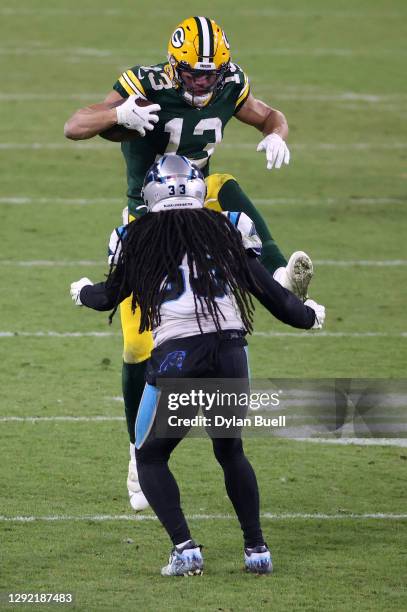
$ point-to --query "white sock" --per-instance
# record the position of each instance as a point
(280, 275)
(182, 543)
(132, 452)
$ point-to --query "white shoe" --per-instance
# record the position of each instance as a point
(136, 496)
(138, 501)
(296, 276)
(184, 560)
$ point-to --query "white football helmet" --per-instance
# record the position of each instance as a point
(173, 182)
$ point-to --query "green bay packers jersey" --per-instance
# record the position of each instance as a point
(182, 128)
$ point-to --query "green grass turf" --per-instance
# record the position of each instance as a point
(340, 204)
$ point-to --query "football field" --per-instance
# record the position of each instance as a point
(334, 515)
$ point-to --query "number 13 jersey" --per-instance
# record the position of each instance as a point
(182, 129)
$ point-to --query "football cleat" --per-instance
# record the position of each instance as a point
(297, 274)
(184, 560)
(258, 560)
(136, 496)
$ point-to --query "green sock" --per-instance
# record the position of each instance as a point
(232, 197)
(133, 386)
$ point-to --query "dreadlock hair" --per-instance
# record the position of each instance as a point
(153, 248)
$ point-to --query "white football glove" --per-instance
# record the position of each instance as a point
(319, 313)
(276, 151)
(76, 290)
(138, 118)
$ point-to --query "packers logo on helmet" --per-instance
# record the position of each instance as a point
(199, 56)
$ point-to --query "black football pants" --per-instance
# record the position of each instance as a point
(203, 356)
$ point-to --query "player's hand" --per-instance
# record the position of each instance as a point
(319, 313)
(276, 151)
(138, 118)
(76, 290)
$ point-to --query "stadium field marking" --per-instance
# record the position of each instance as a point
(326, 146)
(323, 146)
(117, 12)
(283, 93)
(270, 12)
(90, 53)
(55, 334)
(23, 200)
(50, 263)
(343, 441)
(399, 442)
(69, 419)
(261, 334)
(360, 262)
(205, 517)
(326, 334)
(29, 201)
(326, 201)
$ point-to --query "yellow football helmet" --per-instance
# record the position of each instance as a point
(198, 56)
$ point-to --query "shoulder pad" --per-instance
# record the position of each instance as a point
(114, 249)
(141, 80)
(238, 79)
(250, 238)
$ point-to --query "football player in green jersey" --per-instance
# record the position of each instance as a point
(182, 106)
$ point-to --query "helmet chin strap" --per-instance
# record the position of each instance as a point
(199, 101)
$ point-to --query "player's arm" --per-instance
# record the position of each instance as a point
(283, 304)
(273, 125)
(114, 111)
(100, 296)
(91, 120)
(105, 295)
(266, 119)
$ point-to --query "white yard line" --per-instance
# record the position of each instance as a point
(326, 334)
(32, 50)
(50, 97)
(99, 145)
(323, 12)
(282, 93)
(91, 52)
(69, 419)
(206, 517)
(400, 442)
(68, 12)
(256, 13)
(327, 201)
(55, 334)
(27, 200)
(360, 262)
(323, 146)
(49, 263)
(344, 441)
(23, 200)
(262, 334)
(55, 146)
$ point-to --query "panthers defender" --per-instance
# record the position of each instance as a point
(193, 96)
(197, 304)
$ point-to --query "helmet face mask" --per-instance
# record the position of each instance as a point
(173, 182)
(198, 55)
